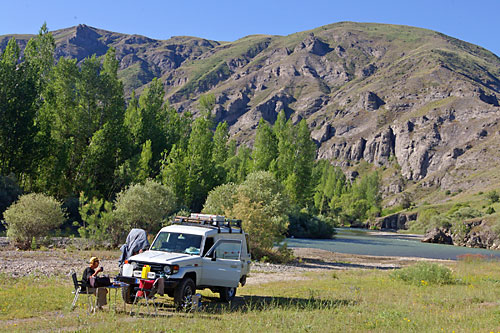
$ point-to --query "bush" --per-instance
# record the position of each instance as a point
(281, 255)
(144, 206)
(32, 216)
(260, 204)
(490, 210)
(439, 221)
(425, 273)
(464, 213)
(493, 196)
(305, 225)
(98, 221)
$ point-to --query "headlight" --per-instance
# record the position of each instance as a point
(169, 270)
(134, 265)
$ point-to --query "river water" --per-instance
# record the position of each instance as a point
(367, 242)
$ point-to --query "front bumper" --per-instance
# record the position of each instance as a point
(169, 284)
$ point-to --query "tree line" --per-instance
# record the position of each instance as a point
(67, 131)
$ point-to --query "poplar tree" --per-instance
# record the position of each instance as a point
(85, 107)
(18, 129)
(220, 152)
(198, 162)
(265, 150)
(304, 157)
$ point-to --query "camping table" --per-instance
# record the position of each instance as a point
(117, 285)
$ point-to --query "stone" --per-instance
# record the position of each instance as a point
(438, 236)
(370, 101)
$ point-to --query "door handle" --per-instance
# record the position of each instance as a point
(234, 266)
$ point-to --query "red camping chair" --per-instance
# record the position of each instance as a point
(147, 291)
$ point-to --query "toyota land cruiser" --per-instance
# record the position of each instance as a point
(196, 252)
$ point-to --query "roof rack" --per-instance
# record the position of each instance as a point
(209, 221)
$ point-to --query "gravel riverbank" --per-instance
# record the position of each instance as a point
(64, 261)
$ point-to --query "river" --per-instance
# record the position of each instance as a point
(377, 243)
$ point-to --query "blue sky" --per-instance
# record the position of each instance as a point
(228, 20)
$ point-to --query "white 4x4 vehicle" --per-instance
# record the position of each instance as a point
(196, 252)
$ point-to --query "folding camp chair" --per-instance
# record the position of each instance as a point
(147, 291)
(80, 288)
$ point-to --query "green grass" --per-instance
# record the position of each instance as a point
(339, 301)
(425, 109)
(134, 76)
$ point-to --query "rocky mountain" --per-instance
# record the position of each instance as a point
(423, 105)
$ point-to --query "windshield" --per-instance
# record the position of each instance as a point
(178, 243)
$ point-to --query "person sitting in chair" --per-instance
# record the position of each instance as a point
(92, 271)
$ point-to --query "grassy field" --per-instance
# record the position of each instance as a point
(328, 301)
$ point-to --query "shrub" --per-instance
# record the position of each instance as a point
(98, 222)
(493, 196)
(144, 206)
(490, 210)
(262, 207)
(265, 229)
(32, 216)
(425, 273)
(305, 225)
(280, 255)
(465, 213)
(439, 221)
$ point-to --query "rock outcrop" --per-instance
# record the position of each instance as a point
(398, 221)
(475, 234)
(370, 101)
(438, 236)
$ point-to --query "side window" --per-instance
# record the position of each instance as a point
(228, 250)
(209, 242)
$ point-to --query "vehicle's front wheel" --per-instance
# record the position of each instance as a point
(183, 294)
(128, 294)
(227, 294)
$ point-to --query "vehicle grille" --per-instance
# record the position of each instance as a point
(157, 268)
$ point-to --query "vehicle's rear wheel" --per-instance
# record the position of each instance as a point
(227, 294)
(128, 294)
(183, 294)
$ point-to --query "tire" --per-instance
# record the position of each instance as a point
(183, 293)
(227, 294)
(128, 295)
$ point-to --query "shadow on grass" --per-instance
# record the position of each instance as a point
(213, 306)
(263, 303)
